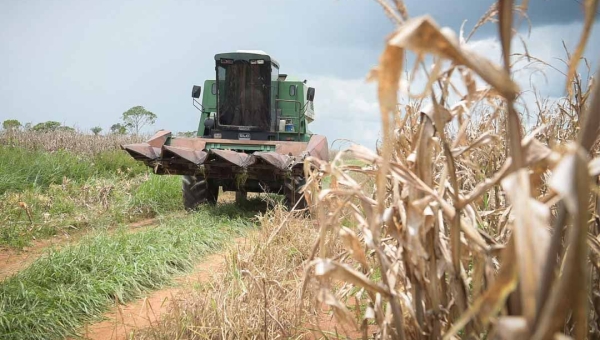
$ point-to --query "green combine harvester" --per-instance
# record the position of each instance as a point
(253, 134)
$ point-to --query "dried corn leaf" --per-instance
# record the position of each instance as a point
(594, 167)
(591, 9)
(534, 152)
(531, 236)
(570, 180)
(329, 268)
(477, 95)
(423, 35)
(339, 309)
(510, 328)
(490, 303)
(389, 76)
(353, 245)
(389, 12)
(591, 120)
(486, 138)
(364, 154)
(505, 15)
(594, 244)
(401, 7)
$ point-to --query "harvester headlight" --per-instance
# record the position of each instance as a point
(217, 136)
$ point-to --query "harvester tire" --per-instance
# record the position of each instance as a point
(198, 190)
(294, 199)
(241, 197)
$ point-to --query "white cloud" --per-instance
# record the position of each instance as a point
(546, 44)
(345, 98)
(349, 108)
(346, 108)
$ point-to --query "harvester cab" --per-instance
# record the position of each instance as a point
(252, 135)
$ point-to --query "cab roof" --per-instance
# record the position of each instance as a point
(247, 55)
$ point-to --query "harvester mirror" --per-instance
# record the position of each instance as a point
(196, 91)
(311, 94)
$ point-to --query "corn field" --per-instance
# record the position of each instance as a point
(71, 141)
(471, 220)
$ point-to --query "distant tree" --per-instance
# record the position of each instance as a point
(96, 130)
(46, 126)
(118, 129)
(137, 117)
(11, 124)
(65, 128)
(28, 126)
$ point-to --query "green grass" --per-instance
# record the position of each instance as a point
(92, 203)
(355, 162)
(22, 169)
(159, 195)
(53, 297)
(47, 193)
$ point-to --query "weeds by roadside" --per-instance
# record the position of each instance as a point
(75, 207)
(257, 295)
(22, 169)
(54, 296)
(45, 193)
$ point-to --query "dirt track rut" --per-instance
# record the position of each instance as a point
(13, 261)
(123, 320)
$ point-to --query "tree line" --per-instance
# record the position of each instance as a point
(132, 121)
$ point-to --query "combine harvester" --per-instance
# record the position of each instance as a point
(253, 134)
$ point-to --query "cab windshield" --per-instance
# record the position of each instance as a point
(244, 94)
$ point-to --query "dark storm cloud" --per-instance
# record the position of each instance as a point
(453, 13)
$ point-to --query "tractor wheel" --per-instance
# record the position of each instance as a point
(198, 190)
(241, 197)
(294, 198)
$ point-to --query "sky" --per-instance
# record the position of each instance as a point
(84, 63)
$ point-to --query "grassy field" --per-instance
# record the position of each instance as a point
(48, 190)
(257, 295)
(53, 297)
(22, 169)
(48, 193)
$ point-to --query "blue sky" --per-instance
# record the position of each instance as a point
(84, 63)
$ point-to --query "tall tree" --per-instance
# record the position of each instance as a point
(11, 124)
(118, 129)
(137, 117)
(96, 130)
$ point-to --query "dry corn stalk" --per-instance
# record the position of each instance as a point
(469, 227)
